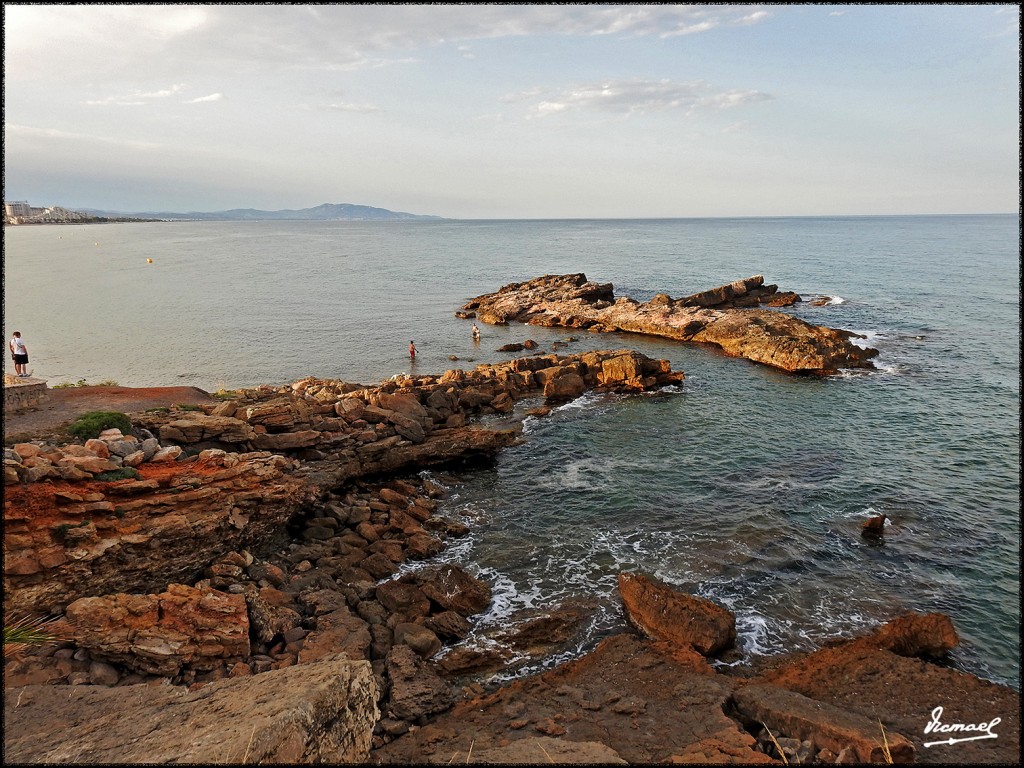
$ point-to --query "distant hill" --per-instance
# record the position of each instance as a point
(325, 212)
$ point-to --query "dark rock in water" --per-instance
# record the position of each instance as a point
(873, 527)
(514, 347)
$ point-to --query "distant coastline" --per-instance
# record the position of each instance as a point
(22, 213)
(323, 212)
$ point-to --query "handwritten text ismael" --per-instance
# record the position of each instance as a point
(980, 730)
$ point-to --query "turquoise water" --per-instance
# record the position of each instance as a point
(744, 485)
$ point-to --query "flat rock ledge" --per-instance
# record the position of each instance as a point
(728, 317)
(316, 713)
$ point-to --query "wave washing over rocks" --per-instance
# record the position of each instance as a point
(249, 593)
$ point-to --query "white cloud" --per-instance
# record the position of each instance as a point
(639, 96)
(32, 132)
(349, 107)
(140, 99)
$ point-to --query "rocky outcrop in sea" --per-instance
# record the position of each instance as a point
(728, 317)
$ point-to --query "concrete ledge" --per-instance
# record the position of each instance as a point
(22, 393)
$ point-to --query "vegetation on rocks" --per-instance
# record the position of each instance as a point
(89, 425)
(28, 631)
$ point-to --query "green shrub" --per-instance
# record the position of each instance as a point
(117, 474)
(89, 425)
(187, 407)
(59, 531)
(83, 383)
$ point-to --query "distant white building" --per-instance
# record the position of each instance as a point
(19, 209)
(20, 212)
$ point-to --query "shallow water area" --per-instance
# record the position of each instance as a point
(744, 485)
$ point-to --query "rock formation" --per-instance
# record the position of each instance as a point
(317, 713)
(229, 577)
(726, 317)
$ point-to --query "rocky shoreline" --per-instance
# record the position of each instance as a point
(252, 581)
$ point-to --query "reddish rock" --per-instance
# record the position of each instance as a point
(416, 689)
(340, 631)
(915, 634)
(455, 589)
(160, 634)
(402, 598)
(663, 613)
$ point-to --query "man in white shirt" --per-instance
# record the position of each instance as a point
(19, 353)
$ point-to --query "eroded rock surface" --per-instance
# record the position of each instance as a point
(726, 316)
(666, 614)
(316, 713)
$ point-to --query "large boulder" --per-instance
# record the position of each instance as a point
(789, 714)
(416, 689)
(161, 634)
(663, 613)
(453, 588)
(916, 634)
(313, 713)
(339, 631)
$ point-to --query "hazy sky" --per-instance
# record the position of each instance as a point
(515, 111)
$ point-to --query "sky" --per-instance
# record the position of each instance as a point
(515, 111)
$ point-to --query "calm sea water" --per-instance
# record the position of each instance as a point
(744, 485)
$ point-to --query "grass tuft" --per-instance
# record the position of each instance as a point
(118, 474)
(28, 631)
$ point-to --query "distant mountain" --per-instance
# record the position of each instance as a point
(325, 212)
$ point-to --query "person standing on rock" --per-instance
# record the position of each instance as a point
(19, 353)
(412, 350)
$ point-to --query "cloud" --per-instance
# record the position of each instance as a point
(349, 107)
(33, 132)
(116, 39)
(136, 99)
(638, 96)
(204, 99)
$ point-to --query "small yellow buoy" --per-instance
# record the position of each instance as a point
(149, 261)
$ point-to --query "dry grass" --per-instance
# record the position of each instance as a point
(29, 631)
(885, 745)
(776, 743)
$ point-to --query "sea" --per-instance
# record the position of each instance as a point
(744, 484)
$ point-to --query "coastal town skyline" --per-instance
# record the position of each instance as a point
(480, 111)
